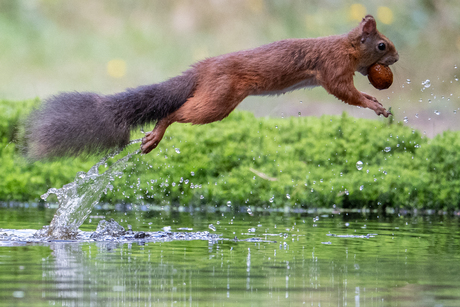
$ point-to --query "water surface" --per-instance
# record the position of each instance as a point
(263, 259)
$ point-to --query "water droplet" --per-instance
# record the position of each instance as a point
(229, 203)
(416, 115)
(426, 83)
(455, 111)
(177, 150)
(437, 112)
(201, 197)
(288, 196)
(18, 294)
(299, 113)
(192, 173)
(359, 165)
(408, 81)
(346, 192)
(361, 188)
(249, 211)
(406, 119)
(212, 227)
(387, 149)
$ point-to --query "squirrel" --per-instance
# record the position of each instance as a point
(74, 123)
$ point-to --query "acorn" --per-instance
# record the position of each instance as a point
(380, 76)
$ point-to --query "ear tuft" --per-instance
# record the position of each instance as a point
(368, 17)
(368, 27)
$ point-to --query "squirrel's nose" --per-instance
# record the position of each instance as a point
(390, 59)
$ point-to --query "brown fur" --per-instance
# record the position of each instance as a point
(222, 82)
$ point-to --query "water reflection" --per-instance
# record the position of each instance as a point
(282, 260)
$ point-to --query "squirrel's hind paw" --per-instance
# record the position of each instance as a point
(150, 142)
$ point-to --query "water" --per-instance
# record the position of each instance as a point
(263, 259)
(426, 84)
(78, 198)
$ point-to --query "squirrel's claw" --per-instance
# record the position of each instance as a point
(150, 141)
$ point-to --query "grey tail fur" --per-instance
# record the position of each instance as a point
(70, 124)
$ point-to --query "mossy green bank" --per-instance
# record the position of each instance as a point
(268, 162)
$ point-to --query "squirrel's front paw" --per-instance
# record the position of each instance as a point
(374, 104)
(384, 113)
(371, 98)
(380, 110)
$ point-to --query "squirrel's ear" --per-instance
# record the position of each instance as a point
(368, 27)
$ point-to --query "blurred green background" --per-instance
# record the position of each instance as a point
(49, 46)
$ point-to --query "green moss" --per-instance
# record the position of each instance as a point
(267, 162)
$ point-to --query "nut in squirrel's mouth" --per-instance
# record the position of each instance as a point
(365, 69)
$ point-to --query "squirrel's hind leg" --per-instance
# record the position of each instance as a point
(200, 109)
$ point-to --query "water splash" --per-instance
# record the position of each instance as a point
(111, 232)
(77, 199)
(108, 228)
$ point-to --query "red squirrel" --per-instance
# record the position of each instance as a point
(74, 123)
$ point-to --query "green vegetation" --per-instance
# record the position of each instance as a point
(267, 162)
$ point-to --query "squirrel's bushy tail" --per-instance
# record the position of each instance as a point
(70, 124)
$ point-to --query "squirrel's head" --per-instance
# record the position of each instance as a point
(373, 47)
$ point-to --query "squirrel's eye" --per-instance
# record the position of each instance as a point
(381, 46)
